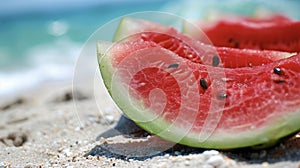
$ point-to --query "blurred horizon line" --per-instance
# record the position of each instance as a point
(14, 7)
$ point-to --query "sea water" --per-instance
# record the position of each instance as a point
(40, 41)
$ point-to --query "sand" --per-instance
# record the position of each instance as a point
(49, 126)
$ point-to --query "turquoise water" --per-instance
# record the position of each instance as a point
(43, 45)
(19, 33)
(203, 8)
(38, 46)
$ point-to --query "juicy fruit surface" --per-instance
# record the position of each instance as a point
(249, 98)
(257, 101)
(172, 43)
(229, 57)
(279, 34)
(169, 38)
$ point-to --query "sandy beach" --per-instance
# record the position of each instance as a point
(75, 124)
(51, 126)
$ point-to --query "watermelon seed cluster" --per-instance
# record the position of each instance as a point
(215, 63)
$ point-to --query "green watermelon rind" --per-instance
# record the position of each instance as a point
(277, 127)
(122, 30)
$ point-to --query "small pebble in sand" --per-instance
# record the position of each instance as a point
(177, 153)
(67, 152)
(186, 163)
(78, 128)
(207, 154)
(210, 152)
(109, 118)
(215, 160)
(265, 164)
(130, 160)
(167, 155)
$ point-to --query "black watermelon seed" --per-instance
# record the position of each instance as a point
(230, 40)
(222, 95)
(173, 65)
(277, 71)
(203, 83)
(215, 61)
(237, 44)
(279, 81)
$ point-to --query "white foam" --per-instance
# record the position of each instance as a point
(49, 62)
(58, 28)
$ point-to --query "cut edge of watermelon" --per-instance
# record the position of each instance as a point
(120, 31)
(276, 128)
(130, 26)
(106, 69)
(123, 32)
(288, 43)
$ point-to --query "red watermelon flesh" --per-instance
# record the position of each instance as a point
(260, 105)
(198, 52)
(275, 33)
(241, 96)
(240, 106)
(255, 20)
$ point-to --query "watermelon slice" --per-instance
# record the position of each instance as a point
(196, 51)
(273, 33)
(198, 104)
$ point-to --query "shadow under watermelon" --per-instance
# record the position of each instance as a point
(129, 141)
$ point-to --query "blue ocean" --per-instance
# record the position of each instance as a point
(40, 41)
